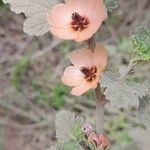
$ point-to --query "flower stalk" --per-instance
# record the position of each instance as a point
(100, 108)
(100, 98)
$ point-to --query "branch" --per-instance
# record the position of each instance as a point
(128, 69)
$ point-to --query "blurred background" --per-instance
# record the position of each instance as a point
(31, 92)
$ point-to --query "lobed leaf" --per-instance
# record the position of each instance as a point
(120, 93)
(36, 13)
(68, 127)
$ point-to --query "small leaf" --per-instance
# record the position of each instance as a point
(68, 127)
(111, 5)
(120, 93)
(141, 43)
(36, 13)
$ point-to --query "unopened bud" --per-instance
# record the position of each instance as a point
(87, 129)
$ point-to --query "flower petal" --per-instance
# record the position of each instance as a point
(78, 6)
(94, 10)
(97, 11)
(72, 76)
(100, 56)
(82, 58)
(63, 33)
(88, 33)
(82, 88)
(59, 16)
(59, 19)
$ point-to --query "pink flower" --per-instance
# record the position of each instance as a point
(88, 67)
(87, 129)
(77, 19)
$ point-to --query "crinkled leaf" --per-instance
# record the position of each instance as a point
(144, 111)
(111, 5)
(140, 89)
(141, 43)
(68, 127)
(108, 77)
(36, 13)
(121, 93)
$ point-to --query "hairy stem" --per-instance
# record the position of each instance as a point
(100, 99)
(128, 69)
(91, 43)
(100, 102)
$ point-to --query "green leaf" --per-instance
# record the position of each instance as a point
(111, 5)
(121, 93)
(141, 43)
(36, 13)
(68, 127)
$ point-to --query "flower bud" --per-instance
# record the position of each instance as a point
(87, 129)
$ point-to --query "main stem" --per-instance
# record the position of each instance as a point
(100, 100)
(99, 110)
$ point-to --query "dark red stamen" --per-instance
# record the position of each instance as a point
(79, 23)
(89, 73)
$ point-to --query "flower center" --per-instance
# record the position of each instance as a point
(89, 73)
(79, 23)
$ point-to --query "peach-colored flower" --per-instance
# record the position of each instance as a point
(94, 139)
(85, 73)
(101, 141)
(77, 19)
